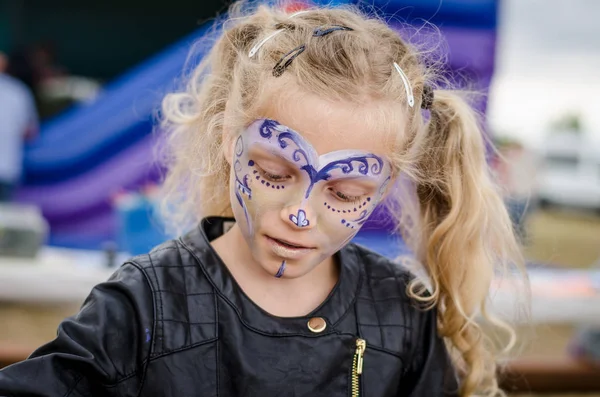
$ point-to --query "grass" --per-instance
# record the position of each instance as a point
(564, 238)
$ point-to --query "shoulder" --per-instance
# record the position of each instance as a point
(183, 297)
(15, 87)
(391, 317)
(171, 268)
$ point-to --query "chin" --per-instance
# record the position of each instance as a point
(294, 268)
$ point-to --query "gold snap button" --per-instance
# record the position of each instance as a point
(317, 324)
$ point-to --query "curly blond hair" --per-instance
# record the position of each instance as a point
(453, 217)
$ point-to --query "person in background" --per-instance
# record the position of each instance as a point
(18, 121)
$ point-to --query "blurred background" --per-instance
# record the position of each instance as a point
(80, 83)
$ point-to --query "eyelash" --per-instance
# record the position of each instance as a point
(273, 177)
(282, 178)
(345, 198)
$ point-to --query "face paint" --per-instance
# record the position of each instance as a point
(294, 207)
(279, 273)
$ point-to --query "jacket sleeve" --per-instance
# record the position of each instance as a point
(104, 344)
(430, 373)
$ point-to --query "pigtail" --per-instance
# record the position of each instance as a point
(466, 235)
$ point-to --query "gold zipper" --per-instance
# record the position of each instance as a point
(357, 366)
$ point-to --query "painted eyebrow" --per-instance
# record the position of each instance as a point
(305, 142)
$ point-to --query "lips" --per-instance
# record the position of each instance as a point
(288, 250)
(290, 243)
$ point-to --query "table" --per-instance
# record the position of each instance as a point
(56, 275)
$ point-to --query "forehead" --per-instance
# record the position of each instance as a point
(331, 126)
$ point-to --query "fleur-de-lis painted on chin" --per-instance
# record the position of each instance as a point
(300, 219)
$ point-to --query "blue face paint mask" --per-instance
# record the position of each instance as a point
(294, 207)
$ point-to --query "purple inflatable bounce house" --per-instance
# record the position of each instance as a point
(90, 153)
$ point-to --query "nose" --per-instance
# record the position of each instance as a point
(299, 216)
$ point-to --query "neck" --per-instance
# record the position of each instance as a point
(285, 297)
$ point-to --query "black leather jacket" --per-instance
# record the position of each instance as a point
(175, 323)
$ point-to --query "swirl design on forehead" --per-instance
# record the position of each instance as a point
(346, 166)
(267, 126)
(285, 137)
(266, 131)
(298, 153)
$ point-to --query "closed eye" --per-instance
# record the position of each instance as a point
(344, 197)
(272, 176)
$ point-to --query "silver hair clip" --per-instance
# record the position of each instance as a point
(255, 49)
(298, 13)
(407, 86)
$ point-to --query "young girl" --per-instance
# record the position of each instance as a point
(285, 139)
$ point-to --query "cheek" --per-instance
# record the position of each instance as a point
(269, 195)
(264, 204)
(346, 214)
(333, 237)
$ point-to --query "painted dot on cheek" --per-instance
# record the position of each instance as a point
(368, 198)
(343, 221)
(277, 187)
(258, 177)
(251, 163)
(268, 184)
(262, 181)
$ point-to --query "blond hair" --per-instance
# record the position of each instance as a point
(459, 230)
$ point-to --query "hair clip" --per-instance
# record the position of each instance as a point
(322, 31)
(255, 49)
(299, 13)
(280, 67)
(407, 86)
(427, 99)
(280, 28)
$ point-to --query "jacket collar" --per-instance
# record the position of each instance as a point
(340, 300)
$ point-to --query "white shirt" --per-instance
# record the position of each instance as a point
(17, 117)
